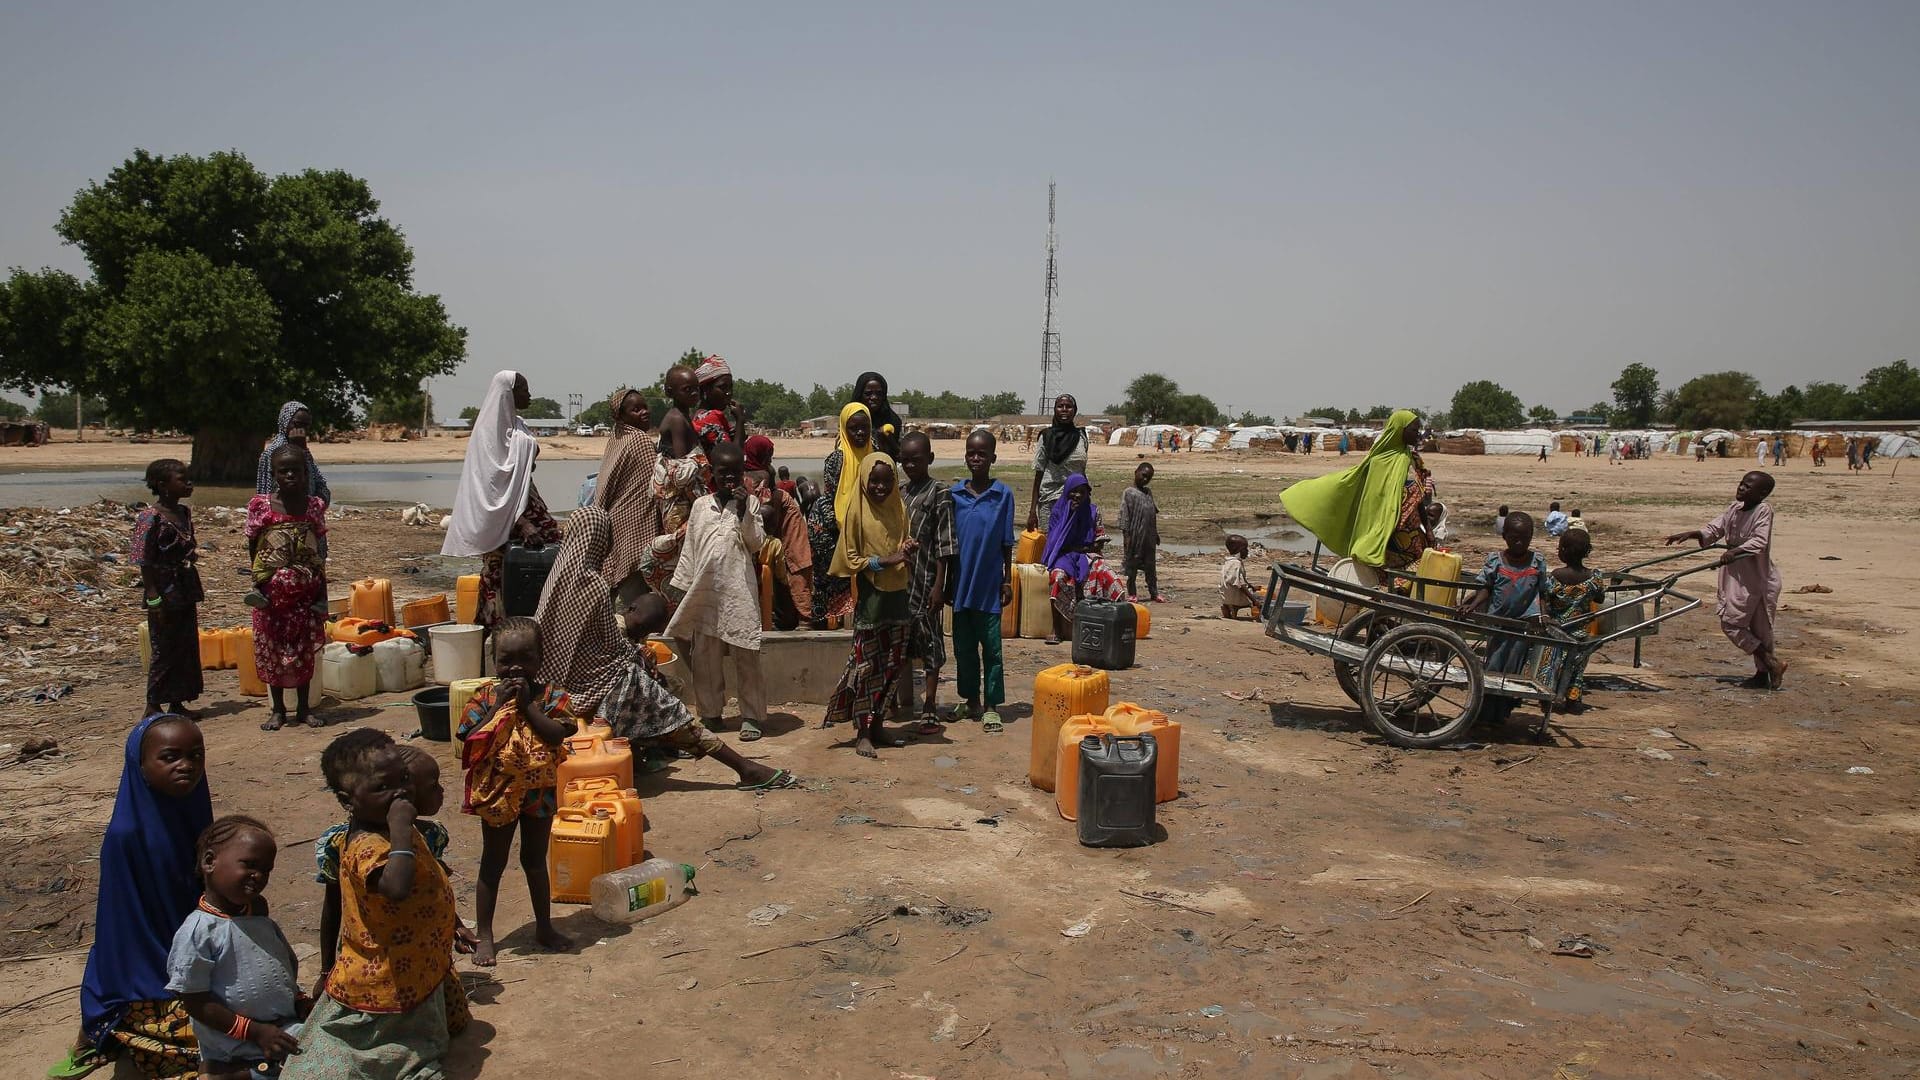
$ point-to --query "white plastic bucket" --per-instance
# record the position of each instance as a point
(1327, 609)
(456, 652)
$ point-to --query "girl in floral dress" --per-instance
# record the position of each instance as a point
(290, 585)
(1571, 590)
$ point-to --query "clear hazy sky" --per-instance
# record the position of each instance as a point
(1278, 205)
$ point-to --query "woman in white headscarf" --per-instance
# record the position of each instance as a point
(497, 502)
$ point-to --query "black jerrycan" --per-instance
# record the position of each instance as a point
(1117, 789)
(523, 575)
(1103, 635)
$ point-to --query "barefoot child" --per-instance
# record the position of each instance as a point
(513, 732)
(147, 888)
(165, 552)
(1236, 591)
(982, 583)
(423, 776)
(930, 523)
(1749, 586)
(232, 967)
(873, 553)
(640, 709)
(383, 1013)
(1571, 590)
(1140, 533)
(290, 584)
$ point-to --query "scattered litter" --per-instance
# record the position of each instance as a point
(38, 747)
(945, 762)
(48, 694)
(853, 819)
(1860, 770)
(764, 916)
(970, 789)
(1079, 929)
(1660, 733)
(1582, 947)
(1656, 753)
(1815, 588)
(1212, 1011)
(1829, 558)
(690, 984)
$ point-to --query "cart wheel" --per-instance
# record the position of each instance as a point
(1423, 685)
(1363, 629)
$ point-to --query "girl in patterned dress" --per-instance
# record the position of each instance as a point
(1571, 590)
(165, 552)
(290, 585)
(874, 549)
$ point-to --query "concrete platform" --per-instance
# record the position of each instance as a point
(799, 666)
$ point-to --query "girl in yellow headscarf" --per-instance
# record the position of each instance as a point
(839, 484)
(1374, 512)
(873, 550)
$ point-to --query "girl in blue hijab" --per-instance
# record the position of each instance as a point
(147, 889)
(1075, 568)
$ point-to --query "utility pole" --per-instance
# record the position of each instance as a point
(1049, 335)
(574, 405)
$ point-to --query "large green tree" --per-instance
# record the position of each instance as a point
(769, 404)
(1830, 401)
(1891, 392)
(1543, 416)
(218, 292)
(1486, 404)
(542, 408)
(1723, 399)
(1153, 397)
(1636, 397)
(1005, 403)
(56, 410)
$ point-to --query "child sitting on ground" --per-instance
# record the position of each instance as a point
(235, 973)
(1236, 591)
(423, 777)
(383, 1012)
(641, 709)
(290, 584)
(1556, 520)
(514, 730)
(1575, 521)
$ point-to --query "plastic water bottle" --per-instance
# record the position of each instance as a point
(640, 892)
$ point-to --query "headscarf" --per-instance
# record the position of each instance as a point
(883, 416)
(872, 529)
(581, 647)
(263, 473)
(1063, 437)
(1355, 511)
(759, 454)
(497, 476)
(1071, 530)
(147, 889)
(851, 479)
(710, 369)
(625, 491)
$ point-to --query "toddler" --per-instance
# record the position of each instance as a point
(1236, 591)
(235, 973)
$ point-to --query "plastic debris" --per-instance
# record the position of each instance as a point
(1860, 770)
(1079, 929)
(766, 914)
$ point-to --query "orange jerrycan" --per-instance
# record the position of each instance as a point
(582, 847)
(1010, 613)
(1058, 693)
(250, 681)
(590, 755)
(1066, 776)
(582, 790)
(1031, 545)
(1142, 622)
(372, 600)
(1130, 719)
(210, 649)
(466, 598)
(425, 611)
(766, 597)
(629, 826)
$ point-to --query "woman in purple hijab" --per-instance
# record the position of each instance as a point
(1072, 556)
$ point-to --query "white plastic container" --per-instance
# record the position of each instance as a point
(345, 675)
(399, 664)
(640, 892)
(456, 652)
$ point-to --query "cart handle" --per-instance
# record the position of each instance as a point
(1668, 557)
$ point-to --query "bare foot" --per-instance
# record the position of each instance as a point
(552, 940)
(864, 746)
(483, 952)
(877, 735)
(275, 720)
(181, 710)
(311, 719)
(1776, 674)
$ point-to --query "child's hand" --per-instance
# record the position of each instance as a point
(464, 940)
(277, 1043)
(400, 816)
(909, 546)
(1006, 596)
(320, 984)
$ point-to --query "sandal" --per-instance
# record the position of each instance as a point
(79, 1062)
(961, 712)
(930, 724)
(780, 780)
(990, 722)
(749, 731)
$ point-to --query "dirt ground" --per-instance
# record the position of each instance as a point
(1328, 906)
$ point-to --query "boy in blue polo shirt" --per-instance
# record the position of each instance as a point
(982, 582)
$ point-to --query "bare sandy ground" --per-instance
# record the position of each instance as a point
(1323, 906)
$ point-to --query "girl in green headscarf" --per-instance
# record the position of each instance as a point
(1374, 512)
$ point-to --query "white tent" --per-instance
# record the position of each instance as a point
(1516, 443)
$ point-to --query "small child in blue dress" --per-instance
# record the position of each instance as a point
(1516, 583)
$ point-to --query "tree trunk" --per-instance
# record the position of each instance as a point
(225, 456)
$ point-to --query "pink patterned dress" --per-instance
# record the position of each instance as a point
(288, 570)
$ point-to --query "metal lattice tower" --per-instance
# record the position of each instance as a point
(1049, 335)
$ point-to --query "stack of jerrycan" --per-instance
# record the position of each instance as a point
(600, 833)
(1116, 801)
(372, 601)
(1126, 720)
(1060, 693)
(466, 598)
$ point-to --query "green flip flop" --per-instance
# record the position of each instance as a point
(990, 722)
(79, 1062)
